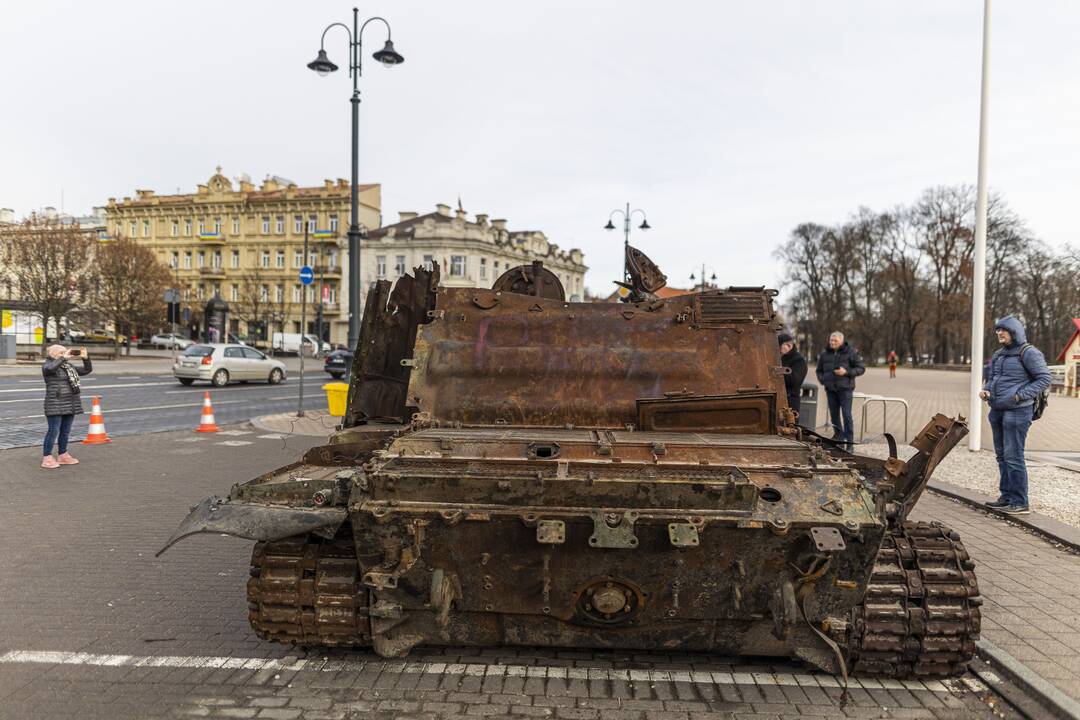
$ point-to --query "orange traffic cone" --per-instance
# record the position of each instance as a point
(96, 434)
(207, 424)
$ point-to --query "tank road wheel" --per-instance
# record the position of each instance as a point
(306, 590)
(920, 616)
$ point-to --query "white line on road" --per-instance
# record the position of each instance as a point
(234, 443)
(139, 409)
(89, 386)
(474, 669)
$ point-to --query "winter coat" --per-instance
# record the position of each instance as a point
(1016, 379)
(60, 399)
(845, 357)
(793, 381)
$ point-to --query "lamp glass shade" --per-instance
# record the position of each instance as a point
(610, 225)
(322, 64)
(388, 56)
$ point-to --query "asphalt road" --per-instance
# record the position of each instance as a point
(92, 625)
(135, 404)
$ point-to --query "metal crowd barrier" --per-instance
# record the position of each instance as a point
(867, 399)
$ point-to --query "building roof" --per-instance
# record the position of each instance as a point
(1076, 331)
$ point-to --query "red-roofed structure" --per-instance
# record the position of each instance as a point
(1070, 358)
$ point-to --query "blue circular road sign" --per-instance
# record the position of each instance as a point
(307, 275)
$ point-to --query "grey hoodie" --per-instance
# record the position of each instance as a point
(1014, 380)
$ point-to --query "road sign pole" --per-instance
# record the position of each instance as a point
(303, 322)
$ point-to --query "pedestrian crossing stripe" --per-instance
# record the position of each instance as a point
(234, 443)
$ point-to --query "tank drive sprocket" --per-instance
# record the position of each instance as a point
(306, 590)
(920, 616)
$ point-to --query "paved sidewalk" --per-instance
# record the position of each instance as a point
(1030, 589)
(945, 391)
(315, 423)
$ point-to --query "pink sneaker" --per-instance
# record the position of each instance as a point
(66, 459)
(49, 462)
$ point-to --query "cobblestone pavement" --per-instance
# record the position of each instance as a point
(92, 625)
(1031, 603)
(946, 391)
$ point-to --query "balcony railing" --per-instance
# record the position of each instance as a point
(212, 271)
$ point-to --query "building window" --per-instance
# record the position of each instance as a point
(175, 261)
(332, 261)
(298, 224)
(216, 259)
(202, 258)
(187, 259)
(235, 262)
(380, 266)
(333, 223)
(429, 262)
(279, 224)
(187, 228)
(217, 226)
(313, 223)
(265, 258)
(297, 258)
(312, 258)
(266, 225)
(331, 294)
(399, 265)
(279, 261)
(296, 293)
(264, 292)
(236, 226)
(483, 268)
(146, 228)
(279, 293)
(495, 268)
(202, 225)
(134, 227)
(234, 293)
(200, 292)
(175, 230)
(457, 266)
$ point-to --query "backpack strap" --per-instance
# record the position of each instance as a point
(1023, 349)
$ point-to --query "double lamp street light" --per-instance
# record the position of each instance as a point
(389, 57)
(626, 215)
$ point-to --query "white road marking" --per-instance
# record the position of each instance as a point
(324, 665)
(234, 443)
(272, 436)
(86, 386)
(108, 411)
(235, 432)
(190, 439)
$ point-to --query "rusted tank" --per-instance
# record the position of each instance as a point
(516, 469)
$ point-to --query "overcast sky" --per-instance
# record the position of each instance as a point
(727, 122)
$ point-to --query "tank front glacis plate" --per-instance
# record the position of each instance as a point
(595, 538)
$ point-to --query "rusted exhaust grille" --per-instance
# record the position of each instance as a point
(715, 309)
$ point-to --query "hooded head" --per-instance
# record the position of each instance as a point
(1014, 327)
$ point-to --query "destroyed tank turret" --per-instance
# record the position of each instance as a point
(516, 469)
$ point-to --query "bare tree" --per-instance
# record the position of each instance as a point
(49, 263)
(254, 302)
(130, 284)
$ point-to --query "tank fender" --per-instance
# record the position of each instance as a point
(256, 522)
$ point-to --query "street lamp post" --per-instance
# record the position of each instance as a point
(626, 215)
(323, 66)
(694, 279)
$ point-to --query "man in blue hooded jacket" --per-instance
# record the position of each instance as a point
(1017, 376)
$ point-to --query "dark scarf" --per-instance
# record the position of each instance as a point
(72, 376)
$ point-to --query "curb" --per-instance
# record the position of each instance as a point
(1046, 694)
(263, 423)
(1051, 529)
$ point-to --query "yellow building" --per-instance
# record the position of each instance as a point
(246, 243)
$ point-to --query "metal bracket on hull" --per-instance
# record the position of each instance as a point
(613, 529)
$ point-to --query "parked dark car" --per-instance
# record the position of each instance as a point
(337, 363)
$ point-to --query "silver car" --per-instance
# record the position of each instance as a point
(170, 341)
(222, 363)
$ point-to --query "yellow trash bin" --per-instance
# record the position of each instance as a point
(337, 397)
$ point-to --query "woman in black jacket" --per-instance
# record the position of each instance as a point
(63, 400)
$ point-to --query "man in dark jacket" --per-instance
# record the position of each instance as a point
(793, 359)
(1018, 375)
(837, 367)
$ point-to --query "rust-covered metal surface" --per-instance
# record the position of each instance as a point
(519, 470)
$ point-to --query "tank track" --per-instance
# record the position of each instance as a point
(306, 590)
(920, 616)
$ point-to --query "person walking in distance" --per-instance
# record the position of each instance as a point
(1017, 377)
(793, 359)
(893, 360)
(63, 400)
(837, 367)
